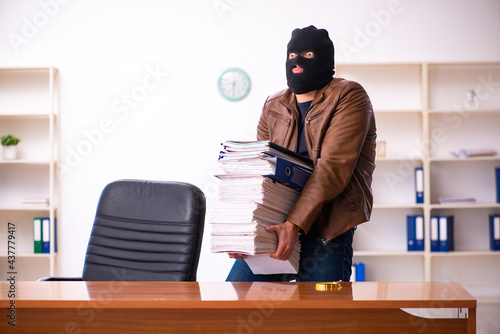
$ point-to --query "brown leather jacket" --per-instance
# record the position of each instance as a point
(340, 135)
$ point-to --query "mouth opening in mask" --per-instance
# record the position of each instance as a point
(297, 69)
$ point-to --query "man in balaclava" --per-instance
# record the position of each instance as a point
(310, 60)
(330, 120)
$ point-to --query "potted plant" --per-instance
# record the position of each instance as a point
(9, 144)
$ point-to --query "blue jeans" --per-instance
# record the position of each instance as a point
(318, 262)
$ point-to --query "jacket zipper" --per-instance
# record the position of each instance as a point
(308, 131)
(314, 116)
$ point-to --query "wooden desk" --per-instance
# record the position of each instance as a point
(189, 307)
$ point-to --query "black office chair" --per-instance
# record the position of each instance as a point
(145, 231)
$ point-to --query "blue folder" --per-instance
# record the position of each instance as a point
(419, 185)
(45, 235)
(495, 232)
(434, 233)
(289, 174)
(415, 232)
(446, 243)
(497, 177)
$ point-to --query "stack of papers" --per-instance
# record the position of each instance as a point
(457, 200)
(36, 201)
(251, 198)
(238, 150)
(467, 153)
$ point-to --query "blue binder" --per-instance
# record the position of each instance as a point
(446, 243)
(419, 233)
(434, 233)
(415, 232)
(410, 232)
(497, 177)
(289, 174)
(419, 185)
(45, 235)
(495, 232)
(360, 272)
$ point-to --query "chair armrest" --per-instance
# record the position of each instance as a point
(48, 278)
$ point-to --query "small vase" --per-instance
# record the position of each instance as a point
(10, 152)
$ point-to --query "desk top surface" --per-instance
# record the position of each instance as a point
(120, 294)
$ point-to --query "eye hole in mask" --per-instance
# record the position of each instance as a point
(305, 54)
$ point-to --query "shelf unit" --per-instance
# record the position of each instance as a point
(421, 114)
(29, 109)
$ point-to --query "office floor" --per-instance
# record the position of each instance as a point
(488, 318)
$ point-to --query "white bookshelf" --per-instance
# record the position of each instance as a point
(29, 109)
(421, 115)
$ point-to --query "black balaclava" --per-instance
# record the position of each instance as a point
(318, 71)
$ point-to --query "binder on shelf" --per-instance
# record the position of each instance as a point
(415, 232)
(37, 235)
(410, 233)
(495, 232)
(419, 185)
(497, 178)
(357, 272)
(446, 233)
(434, 233)
(360, 272)
(45, 235)
(419, 233)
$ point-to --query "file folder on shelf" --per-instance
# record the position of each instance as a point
(419, 233)
(446, 234)
(415, 232)
(419, 185)
(357, 272)
(497, 179)
(45, 235)
(495, 232)
(410, 233)
(37, 235)
(360, 272)
(434, 234)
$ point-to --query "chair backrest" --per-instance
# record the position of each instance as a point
(146, 231)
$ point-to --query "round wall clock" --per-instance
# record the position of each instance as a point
(234, 84)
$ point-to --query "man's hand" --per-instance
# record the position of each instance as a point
(287, 233)
(237, 256)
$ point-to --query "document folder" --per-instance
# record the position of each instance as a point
(495, 232)
(419, 185)
(419, 233)
(415, 232)
(37, 235)
(497, 177)
(434, 234)
(446, 233)
(45, 235)
(410, 232)
(289, 174)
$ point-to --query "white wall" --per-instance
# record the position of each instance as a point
(105, 50)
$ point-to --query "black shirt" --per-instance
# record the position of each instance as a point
(301, 141)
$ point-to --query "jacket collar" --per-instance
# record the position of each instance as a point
(289, 99)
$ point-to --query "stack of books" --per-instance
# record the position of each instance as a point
(259, 184)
